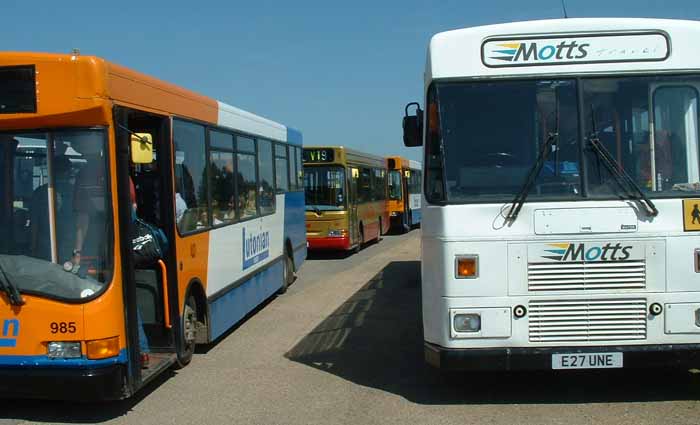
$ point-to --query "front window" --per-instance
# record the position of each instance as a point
(54, 200)
(483, 138)
(324, 188)
(395, 184)
(664, 161)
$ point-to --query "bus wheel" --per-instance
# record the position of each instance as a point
(358, 247)
(287, 273)
(189, 332)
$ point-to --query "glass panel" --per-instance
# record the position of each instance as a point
(395, 184)
(220, 140)
(491, 134)
(300, 168)
(17, 90)
(247, 186)
(81, 206)
(190, 177)
(618, 108)
(324, 188)
(364, 186)
(245, 144)
(221, 182)
(282, 169)
(266, 189)
(676, 137)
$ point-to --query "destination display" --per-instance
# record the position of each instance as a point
(526, 51)
(319, 155)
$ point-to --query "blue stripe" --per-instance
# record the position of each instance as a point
(415, 216)
(231, 307)
(44, 361)
(556, 251)
(8, 342)
(506, 52)
(294, 136)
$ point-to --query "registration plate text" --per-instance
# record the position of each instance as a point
(587, 361)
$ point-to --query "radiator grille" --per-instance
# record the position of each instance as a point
(586, 276)
(587, 320)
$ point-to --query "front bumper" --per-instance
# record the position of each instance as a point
(104, 383)
(329, 243)
(635, 356)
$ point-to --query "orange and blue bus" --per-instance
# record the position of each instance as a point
(345, 198)
(403, 200)
(82, 142)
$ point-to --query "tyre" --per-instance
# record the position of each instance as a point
(358, 248)
(379, 231)
(189, 332)
(287, 273)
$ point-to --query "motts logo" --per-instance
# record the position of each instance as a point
(579, 252)
(527, 52)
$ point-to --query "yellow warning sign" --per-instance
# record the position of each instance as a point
(691, 215)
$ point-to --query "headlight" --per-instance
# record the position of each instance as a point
(467, 322)
(64, 350)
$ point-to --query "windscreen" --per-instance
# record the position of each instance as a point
(394, 184)
(54, 201)
(324, 188)
(483, 138)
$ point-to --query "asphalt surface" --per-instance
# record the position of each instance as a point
(344, 345)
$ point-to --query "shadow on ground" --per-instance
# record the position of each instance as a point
(375, 339)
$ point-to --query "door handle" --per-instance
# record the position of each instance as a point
(166, 303)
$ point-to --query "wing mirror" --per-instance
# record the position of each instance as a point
(413, 126)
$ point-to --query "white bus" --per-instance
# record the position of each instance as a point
(561, 195)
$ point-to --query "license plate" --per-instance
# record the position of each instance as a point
(587, 361)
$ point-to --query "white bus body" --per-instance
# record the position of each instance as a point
(585, 276)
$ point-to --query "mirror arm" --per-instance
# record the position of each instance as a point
(141, 139)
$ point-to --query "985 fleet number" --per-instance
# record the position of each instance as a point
(63, 327)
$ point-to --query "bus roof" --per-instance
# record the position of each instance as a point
(76, 83)
(401, 162)
(565, 46)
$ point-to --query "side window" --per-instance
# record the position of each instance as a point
(364, 185)
(221, 178)
(378, 184)
(282, 170)
(245, 180)
(293, 170)
(192, 209)
(266, 188)
(300, 169)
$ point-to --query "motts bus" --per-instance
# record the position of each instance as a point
(404, 193)
(345, 198)
(561, 192)
(77, 133)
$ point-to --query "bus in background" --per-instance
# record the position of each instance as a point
(79, 320)
(404, 193)
(345, 194)
(561, 193)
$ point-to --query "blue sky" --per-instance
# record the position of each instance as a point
(341, 72)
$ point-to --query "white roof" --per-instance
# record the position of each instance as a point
(611, 44)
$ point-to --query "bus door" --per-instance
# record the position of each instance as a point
(406, 196)
(151, 286)
(352, 205)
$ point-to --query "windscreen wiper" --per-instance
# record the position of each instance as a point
(10, 288)
(621, 177)
(548, 145)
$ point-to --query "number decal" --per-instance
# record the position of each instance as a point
(63, 327)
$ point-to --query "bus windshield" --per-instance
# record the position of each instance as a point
(394, 183)
(53, 190)
(483, 137)
(324, 188)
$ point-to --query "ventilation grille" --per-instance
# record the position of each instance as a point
(582, 276)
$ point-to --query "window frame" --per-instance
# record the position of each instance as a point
(208, 149)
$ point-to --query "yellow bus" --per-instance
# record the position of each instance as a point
(404, 195)
(89, 152)
(345, 194)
